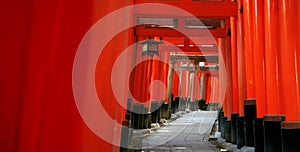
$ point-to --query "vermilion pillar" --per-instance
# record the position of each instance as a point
(175, 83)
(259, 73)
(184, 89)
(215, 85)
(217, 90)
(272, 57)
(220, 91)
(197, 86)
(188, 75)
(158, 73)
(226, 72)
(191, 87)
(298, 46)
(165, 55)
(148, 80)
(201, 82)
(259, 58)
(222, 75)
(289, 69)
(153, 77)
(213, 90)
(208, 89)
(235, 90)
(198, 79)
(248, 42)
(228, 66)
(241, 61)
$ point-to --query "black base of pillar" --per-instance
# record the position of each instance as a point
(228, 131)
(145, 118)
(137, 115)
(240, 132)
(154, 111)
(176, 105)
(125, 135)
(234, 117)
(223, 127)
(159, 111)
(213, 106)
(129, 105)
(193, 106)
(272, 133)
(202, 105)
(258, 134)
(250, 114)
(220, 116)
(141, 119)
(164, 111)
(196, 104)
(147, 121)
(290, 133)
(182, 104)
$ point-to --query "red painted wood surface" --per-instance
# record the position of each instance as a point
(272, 57)
(228, 66)
(259, 58)
(288, 55)
(241, 61)
(248, 42)
(234, 63)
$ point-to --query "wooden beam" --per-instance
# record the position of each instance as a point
(190, 49)
(170, 32)
(196, 68)
(198, 58)
(217, 10)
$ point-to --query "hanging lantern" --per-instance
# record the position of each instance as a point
(150, 47)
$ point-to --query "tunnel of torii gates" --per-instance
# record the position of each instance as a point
(257, 40)
(251, 54)
(252, 51)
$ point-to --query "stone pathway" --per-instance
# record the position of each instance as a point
(189, 133)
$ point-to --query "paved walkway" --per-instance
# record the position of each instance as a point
(189, 133)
